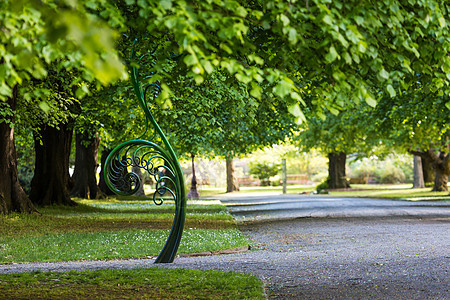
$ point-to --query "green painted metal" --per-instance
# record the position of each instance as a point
(160, 162)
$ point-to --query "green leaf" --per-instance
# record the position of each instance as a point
(298, 98)
(255, 91)
(334, 111)
(5, 90)
(241, 11)
(243, 78)
(383, 74)
(370, 100)
(292, 36)
(282, 89)
(362, 46)
(442, 22)
(342, 40)
(190, 60)
(359, 20)
(44, 106)
(198, 79)
(208, 66)
(294, 109)
(327, 20)
(284, 19)
(332, 55)
(166, 4)
(391, 91)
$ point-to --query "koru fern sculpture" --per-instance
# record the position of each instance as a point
(160, 162)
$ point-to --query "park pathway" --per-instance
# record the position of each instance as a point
(273, 206)
(318, 247)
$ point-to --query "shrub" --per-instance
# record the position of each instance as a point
(25, 175)
(264, 171)
(391, 174)
(319, 177)
(322, 188)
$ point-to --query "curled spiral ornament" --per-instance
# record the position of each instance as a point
(159, 161)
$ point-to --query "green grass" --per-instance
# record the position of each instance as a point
(400, 192)
(113, 230)
(120, 229)
(291, 189)
(113, 245)
(131, 284)
(391, 191)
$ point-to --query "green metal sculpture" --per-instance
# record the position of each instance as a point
(160, 162)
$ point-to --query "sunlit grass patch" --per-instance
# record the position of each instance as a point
(396, 192)
(150, 283)
(114, 245)
(114, 206)
(112, 229)
(111, 215)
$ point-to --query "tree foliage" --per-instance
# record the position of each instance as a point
(242, 65)
(336, 50)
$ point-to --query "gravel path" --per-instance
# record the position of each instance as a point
(321, 258)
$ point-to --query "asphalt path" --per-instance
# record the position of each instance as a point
(259, 207)
(319, 247)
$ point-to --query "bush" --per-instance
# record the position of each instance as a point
(360, 171)
(392, 169)
(264, 171)
(319, 177)
(322, 188)
(25, 175)
(391, 174)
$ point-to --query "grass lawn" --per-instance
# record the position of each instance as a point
(131, 284)
(397, 191)
(291, 189)
(392, 191)
(120, 229)
(113, 229)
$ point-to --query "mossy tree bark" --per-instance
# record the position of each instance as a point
(441, 165)
(428, 170)
(336, 171)
(12, 195)
(84, 176)
(51, 176)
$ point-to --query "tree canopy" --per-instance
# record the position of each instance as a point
(302, 57)
(336, 50)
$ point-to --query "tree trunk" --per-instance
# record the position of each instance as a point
(232, 183)
(193, 193)
(84, 175)
(442, 167)
(101, 183)
(440, 182)
(138, 172)
(12, 195)
(418, 181)
(51, 175)
(336, 171)
(441, 164)
(428, 170)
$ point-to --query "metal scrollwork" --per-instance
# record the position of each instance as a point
(160, 162)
